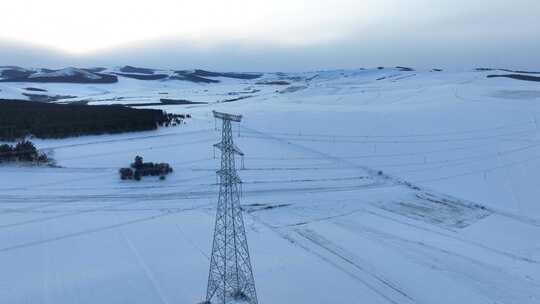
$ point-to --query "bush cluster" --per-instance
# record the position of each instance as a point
(24, 151)
(139, 168)
(174, 119)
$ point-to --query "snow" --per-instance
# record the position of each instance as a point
(452, 217)
(65, 72)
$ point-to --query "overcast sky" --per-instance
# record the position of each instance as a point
(271, 35)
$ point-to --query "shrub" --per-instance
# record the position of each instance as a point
(6, 153)
(24, 151)
(139, 168)
(126, 173)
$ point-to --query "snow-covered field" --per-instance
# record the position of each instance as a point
(419, 187)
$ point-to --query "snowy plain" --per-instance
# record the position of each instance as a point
(360, 186)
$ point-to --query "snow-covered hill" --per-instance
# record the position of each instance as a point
(379, 186)
(130, 85)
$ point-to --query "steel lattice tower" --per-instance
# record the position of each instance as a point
(230, 279)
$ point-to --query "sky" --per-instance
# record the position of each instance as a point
(276, 35)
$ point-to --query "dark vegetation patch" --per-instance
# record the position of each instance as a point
(203, 73)
(484, 69)
(506, 70)
(35, 89)
(237, 98)
(285, 76)
(139, 168)
(260, 207)
(297, 78)
(189, 76)
(9, 72)
(18, 76)
(72, 75)
(24, 151)
(101, 75)
(169, 101)
(143, 77)
(404, 69)
(164, 101)
(49, 120)
(46, 98)
(77, 78)
(94, 70)
(292, 89)
(15, 72)
(517, 77)
(273, 82)
(312, 77)
(520, 72)
(380, 68)
(394, 79)
(243, 92)
(79, 102)
(132, 69)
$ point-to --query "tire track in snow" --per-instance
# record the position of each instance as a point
(423, 254)
(93, 230)
(337, 265)
(148, 273)
(55, 217)
(22, 199)
(454, 237)
(415, 226)
(341, 253)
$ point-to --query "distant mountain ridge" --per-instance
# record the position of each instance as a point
(132, 85)
(104, 75)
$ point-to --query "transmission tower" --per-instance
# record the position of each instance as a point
(230, 279)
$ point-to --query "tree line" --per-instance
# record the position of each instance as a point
(47, 120)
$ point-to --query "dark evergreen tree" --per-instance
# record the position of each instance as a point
(26, 151)
(6, 153)
(138, 163)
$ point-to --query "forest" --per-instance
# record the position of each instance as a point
(47, 120)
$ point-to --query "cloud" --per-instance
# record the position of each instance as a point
(83, 26)
(296, 35)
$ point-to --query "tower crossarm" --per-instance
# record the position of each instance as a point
(234, 178)
(233, 148)
(227, 116)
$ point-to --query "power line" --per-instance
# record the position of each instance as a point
(489, 169)
(388, 155)
(107, 141)
(469, 159)
(396, 135)
(369, 141)
(136, 149)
